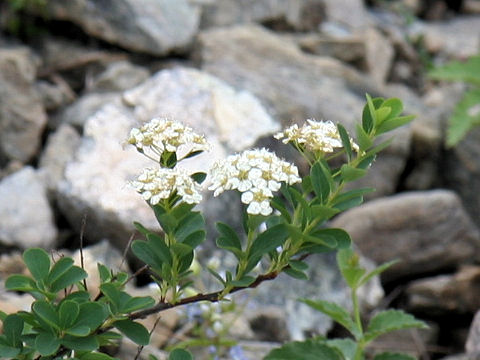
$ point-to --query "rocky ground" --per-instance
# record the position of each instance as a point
(76, 76)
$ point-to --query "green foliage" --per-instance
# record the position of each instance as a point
(65, 319)
(466, 114)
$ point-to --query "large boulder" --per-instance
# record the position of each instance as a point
(22, 116)
(153, 27)
(427, 231)
(26, 219)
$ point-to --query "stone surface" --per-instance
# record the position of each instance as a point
(379, 54)
(351, 14)
(26, 219)
(299, 14)
(58, 151)
(22, 116)
(473, 340)
(95, 180)
(119, 76)
(459, 293)
(461, 172)
(426, 231)
(54, 95)
(153, 27)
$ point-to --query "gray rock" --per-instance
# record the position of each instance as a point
(426, 231)
(119, 76)
(351, 14)
(26, 219)
(22, 116)
(442, 37)
(299, 14)
(473, 356)
(58, 151)
(95, 180)
(153, 27)
(459, 293)
(54, 95)
(86, 106)
(295, 86)
(461, 172)
(473, 340)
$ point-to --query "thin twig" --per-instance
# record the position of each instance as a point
(140, 348)
(82, 231)
(125, 252)
(138, 272)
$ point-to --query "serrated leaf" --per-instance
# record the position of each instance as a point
(376, 271)
(68, 313)
(465, 116)
(12, 330)
(350, 173)
(305, 350)
(393, 356)
(347, 347)
(46, 344)
(468, 71)
(337, 313)
(46, 312)
(390, 320)
(19, 282)
(134, 331)
(345, 141)
(180, 354)
(84, 343)
(68, 278)
(38, 263)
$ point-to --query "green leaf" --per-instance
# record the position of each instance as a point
(230, 236)
(298, 265)
(46, 343)
(376, 271)
(12, 330)
(157, 244)
(337, 313)
(144, 252)
(104, 273)
(38, 263)
(20, 283)
(91, 315)
(347, 347)
(296, 274)
(382, 113)
(68, 313)
(465, 116)
(195, 239)
(137, 303)
(391, 124)
(180, 354)
(46, 312)
(321, 180)
(363, 140)
(390, 320)
(339, 237)
(191, 223)
(68, 278)
(323, 212)
(368, 115)
(199, 177)
(267, 241)
(134, 331)
(167, 221)
(141, 229)
(217, 276)
(351, 195)
(393, 356)
(95, 356)
(349, 265)
(244, 281)
(468, 71)
(59, 268)
(306, 350)
(350, 173)
(6, 350)
(345, 141)
(87, 343)
(395, 105)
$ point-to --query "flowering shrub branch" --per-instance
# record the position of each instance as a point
(285, 220)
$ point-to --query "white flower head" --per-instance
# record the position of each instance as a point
(314, 136)
(159, 135)
(256, 174)
(156, 184)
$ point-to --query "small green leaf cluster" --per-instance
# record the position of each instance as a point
(466, 114)
(350, 348)
(64, 320)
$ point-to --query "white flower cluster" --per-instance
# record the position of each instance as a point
(156, 184)
(256, 174)
(316, 136)
(159, 135)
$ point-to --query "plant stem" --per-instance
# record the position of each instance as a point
(358, 322)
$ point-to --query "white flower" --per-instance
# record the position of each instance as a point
(157, 184)
(316, 136)
(256, 174)
(159, 135)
